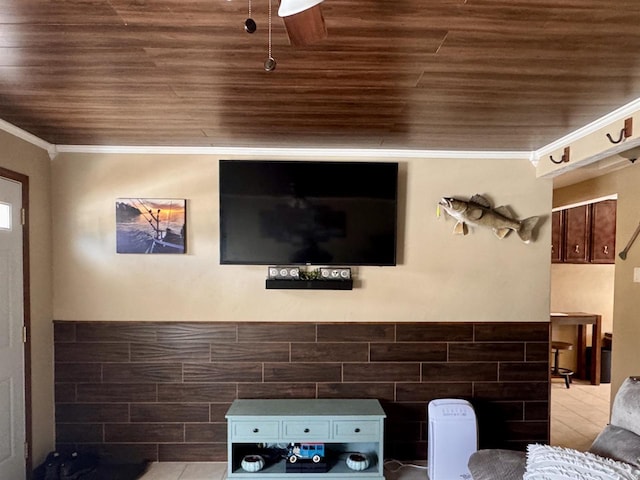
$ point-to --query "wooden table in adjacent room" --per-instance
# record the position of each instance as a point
(582, 320)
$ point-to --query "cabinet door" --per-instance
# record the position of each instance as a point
(557, 235)
(603, 240)
(577, 234)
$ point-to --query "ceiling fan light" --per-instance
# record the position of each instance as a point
(306, 28)
(631, 154)
(291, 7)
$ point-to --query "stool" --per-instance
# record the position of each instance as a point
(556, 370)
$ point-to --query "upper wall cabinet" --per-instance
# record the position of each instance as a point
(584, 234)
(603, 238)
(557, 238)
(577, 234)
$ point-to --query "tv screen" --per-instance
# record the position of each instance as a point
(308, 212)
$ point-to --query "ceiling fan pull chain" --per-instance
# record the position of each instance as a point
(269, 28)
(270, 62)
(249, 24)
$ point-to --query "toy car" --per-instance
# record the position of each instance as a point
(313, 452)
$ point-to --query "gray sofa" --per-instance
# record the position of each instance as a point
(620, 440)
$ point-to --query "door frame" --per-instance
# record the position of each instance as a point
(24, 181)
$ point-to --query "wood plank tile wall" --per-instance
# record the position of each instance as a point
(159, 390)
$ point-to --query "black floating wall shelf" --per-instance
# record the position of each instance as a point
(273, 284)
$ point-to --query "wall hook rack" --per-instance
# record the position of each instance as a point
(625, 133)
(565, 157)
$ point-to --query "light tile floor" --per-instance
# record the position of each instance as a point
(218, 471)
(578, 414)
(186, 471)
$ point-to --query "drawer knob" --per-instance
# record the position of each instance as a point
(256, 430)
(357, 430)
(306, 430)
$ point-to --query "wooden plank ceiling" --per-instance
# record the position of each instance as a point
(420, 74)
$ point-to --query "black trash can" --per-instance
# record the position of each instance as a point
(605, 366)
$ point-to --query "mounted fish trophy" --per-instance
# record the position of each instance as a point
(478, 212)
(303, 20)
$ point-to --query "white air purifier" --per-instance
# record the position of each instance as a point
(453, 437)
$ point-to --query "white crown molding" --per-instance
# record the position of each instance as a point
(28, 137)
(297, 152)
(54, 150)
(613, 196)
(533, 156)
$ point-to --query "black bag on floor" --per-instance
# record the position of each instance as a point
(50, 468)
(58, 466)
(76, 466)
(81, 466)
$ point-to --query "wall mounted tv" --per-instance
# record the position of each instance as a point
(308, 212)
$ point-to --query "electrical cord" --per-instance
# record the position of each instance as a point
(401, 465)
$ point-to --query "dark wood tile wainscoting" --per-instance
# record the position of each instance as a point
(159, 390)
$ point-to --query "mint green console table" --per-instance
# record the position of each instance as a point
(345, 426)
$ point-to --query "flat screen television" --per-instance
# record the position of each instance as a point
(308, 212)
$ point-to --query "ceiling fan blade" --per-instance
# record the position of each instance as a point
(306, 27)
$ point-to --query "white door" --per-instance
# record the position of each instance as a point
(12, 414)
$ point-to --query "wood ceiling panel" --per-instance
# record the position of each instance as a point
(413, 74)
(73, 57)
(184, 13)
(58, 12)
(116, 36)
(181, 79)
(130, 135)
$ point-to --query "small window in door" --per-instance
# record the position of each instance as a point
(5, 216)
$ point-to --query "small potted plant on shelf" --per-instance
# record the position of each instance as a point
(252, 463)
(357, 461)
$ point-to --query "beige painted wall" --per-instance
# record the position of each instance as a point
(27, 159)
(626, 310)
(440, 277)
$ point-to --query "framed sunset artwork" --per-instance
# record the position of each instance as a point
(151, 225)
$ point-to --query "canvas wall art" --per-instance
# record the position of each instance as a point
(151, 225)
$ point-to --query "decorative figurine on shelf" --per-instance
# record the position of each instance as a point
(313, 452)
(306, 458)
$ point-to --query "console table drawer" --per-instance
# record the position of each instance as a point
(301, 430)
(356, 430)
(254, 430)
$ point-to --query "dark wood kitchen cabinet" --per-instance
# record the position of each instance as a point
(557, 237)
(577, 234)
(584, 234)
(603, 237)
